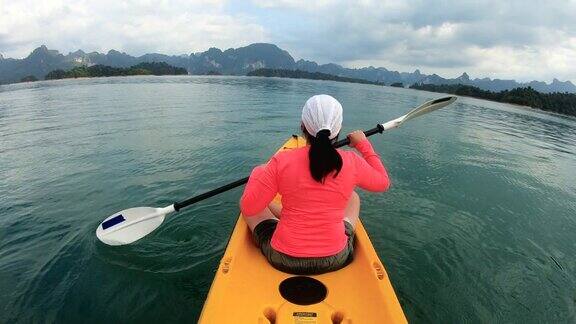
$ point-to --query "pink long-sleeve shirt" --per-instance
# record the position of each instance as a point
(311, 222)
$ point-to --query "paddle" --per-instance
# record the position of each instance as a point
(132, 224)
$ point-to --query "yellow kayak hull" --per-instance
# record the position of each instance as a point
(246, 288)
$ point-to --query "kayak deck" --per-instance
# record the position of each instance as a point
(246, 288)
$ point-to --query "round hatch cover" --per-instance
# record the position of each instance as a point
(303, 290)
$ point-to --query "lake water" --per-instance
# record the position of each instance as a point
(479, 225)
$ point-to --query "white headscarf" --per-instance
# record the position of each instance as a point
(322, 112)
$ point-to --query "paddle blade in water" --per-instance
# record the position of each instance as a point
(129, 225)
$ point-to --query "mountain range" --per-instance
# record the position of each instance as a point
(243, 60)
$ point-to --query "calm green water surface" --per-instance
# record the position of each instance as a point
(479, 226)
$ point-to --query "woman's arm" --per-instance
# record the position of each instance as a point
(370, 172)
(261, 188)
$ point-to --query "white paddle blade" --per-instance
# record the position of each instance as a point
(429, 106)
(130, 225)
(424, 108)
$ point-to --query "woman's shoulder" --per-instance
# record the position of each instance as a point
(292, 152)
(290, 155)
(348, 154)
(349, 158)
(290, 159)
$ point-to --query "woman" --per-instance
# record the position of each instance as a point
(313, 231)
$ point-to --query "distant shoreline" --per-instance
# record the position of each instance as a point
(299, 74)
(153, 68)
(561, 103)
(527, 98)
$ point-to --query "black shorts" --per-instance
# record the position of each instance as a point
(302, 265)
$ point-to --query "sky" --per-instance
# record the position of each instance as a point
(523, 40)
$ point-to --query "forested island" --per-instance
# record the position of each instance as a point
(153, 68)
(299, 74)
(563, 103)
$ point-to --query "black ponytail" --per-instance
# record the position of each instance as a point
(323, 156)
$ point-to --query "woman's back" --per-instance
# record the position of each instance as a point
(311, 222)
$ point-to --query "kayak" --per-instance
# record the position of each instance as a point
(247, 289)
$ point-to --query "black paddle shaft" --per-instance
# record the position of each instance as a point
(179, 205)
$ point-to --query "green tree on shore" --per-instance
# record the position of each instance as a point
(29, 78)
(563, 103)
(154, 68)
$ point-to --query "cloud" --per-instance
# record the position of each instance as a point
(520, 39)
(293, 4)
(137, 27)
(506, 39)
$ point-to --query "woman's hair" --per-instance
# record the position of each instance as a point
(324, 158)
